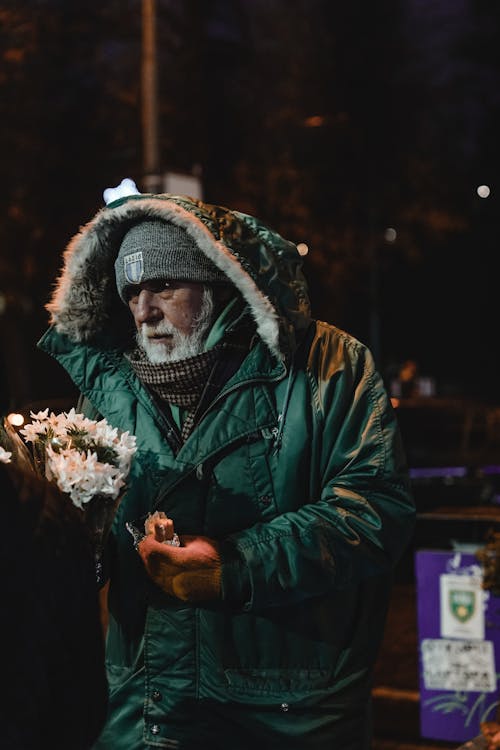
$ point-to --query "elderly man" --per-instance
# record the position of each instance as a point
(267, 440)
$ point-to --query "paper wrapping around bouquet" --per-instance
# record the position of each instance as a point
(98, 515)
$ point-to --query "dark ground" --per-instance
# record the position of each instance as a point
(396, 687)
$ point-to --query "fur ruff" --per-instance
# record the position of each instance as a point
(80, 304)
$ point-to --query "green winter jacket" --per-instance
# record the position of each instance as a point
(296, 468)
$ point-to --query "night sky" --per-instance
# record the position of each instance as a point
(331, 122)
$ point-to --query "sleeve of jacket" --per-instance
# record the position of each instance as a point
(363, 516)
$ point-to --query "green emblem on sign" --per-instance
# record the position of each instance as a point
(462, 604)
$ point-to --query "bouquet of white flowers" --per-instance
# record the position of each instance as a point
(88, 460)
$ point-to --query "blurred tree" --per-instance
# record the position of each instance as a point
(68, 120)
(330, 121)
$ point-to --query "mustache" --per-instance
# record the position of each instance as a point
(162, 328)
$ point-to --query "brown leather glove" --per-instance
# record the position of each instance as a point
(191, 572)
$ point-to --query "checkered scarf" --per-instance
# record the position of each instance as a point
(180, 383)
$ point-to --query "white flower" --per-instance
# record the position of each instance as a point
(125, 448)
(5, 456)
(82, 476)
(72, 420)
(104, 433)
(40, 415)
(33, 430)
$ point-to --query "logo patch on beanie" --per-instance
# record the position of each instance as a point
(133, 267)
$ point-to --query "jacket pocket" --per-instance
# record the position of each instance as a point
(124, 680)
(289, 654)
(277, 683)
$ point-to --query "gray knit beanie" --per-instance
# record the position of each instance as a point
(156, 249)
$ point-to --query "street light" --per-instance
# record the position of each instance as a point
(150, 123)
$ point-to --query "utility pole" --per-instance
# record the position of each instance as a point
(152, 179)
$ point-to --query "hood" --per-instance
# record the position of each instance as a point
(264, 268)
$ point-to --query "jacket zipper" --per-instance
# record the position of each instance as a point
(235, 387)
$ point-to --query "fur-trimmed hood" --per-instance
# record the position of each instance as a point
(264, 267)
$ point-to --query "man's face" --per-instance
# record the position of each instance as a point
(171, 317)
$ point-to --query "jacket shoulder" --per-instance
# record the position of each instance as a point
(328, 342)
(338, 366)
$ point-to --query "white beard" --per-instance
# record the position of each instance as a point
(182, 345)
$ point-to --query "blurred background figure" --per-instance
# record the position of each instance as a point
(409, 383)
(408, 378)
(52, 663)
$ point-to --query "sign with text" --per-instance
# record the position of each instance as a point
(459, 646)
(458, 665)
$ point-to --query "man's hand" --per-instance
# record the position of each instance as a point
(190, 572)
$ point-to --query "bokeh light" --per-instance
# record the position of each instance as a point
(15, 419)
(483, 191)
